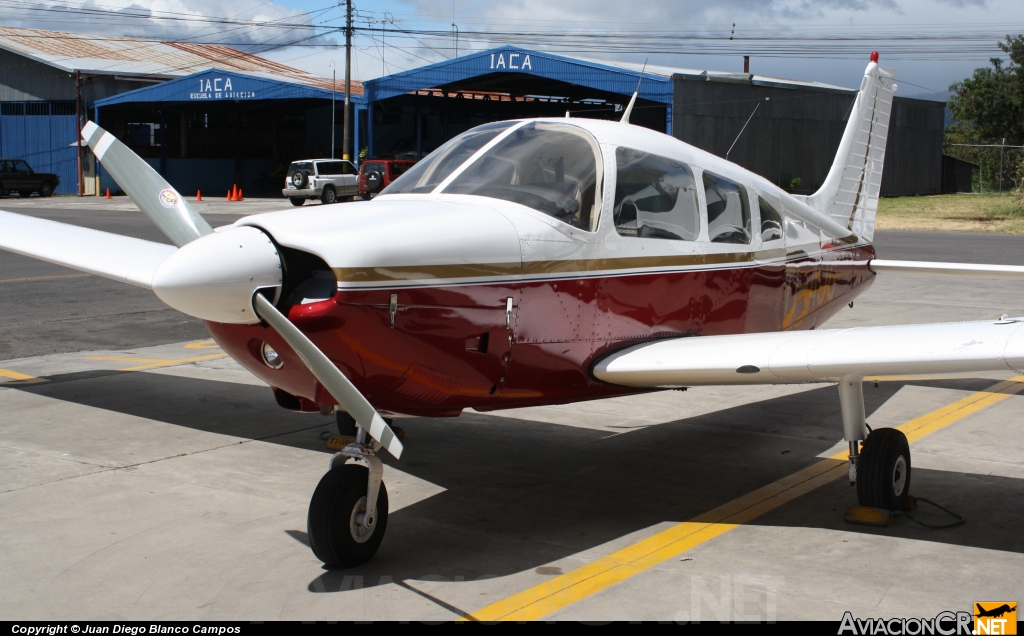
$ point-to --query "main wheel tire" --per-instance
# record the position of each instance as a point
(296, 201)
(883, 470)
(24, 194)
(346, 424)
(333, 533)
(46, 189)
(328, 196)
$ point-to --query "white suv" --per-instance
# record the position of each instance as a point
(330, 180)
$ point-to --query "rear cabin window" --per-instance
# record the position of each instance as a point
(550, 167)
(300, 165)
(771, 221)
(728, 212)
(435, 167)
(655, 197)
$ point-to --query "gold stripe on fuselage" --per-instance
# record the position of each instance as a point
(613, 266)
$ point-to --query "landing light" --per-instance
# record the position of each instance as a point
(271, 357)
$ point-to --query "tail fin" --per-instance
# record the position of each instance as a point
(849, 195)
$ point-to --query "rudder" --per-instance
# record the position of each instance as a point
(850, 193)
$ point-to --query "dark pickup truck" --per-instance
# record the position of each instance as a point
(17, 176)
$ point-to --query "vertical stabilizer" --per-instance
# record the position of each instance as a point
(849, 195)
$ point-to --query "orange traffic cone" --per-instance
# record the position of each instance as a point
(229, 195)
(240, 197)
(234, 192)
(108, 194)
(199, 196)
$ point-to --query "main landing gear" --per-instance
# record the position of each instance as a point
(881, 467)
(348, 513)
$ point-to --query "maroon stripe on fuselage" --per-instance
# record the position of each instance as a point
(450, 348)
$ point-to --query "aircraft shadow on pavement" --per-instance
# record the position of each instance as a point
(522, 494)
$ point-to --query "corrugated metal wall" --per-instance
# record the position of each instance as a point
(794, 132)
(797, 132)
(41, 133)
(913, 154)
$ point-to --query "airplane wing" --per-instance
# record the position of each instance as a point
(818, 356)
(121, 258)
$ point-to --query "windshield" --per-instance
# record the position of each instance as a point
(435, 167)
(550, 167)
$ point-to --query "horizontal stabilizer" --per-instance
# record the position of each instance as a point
(819, 356)
(110, 255)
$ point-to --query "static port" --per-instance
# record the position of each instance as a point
(271, 357)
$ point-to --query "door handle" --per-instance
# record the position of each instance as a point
(508, 313)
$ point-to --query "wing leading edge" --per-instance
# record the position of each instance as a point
(113, 256)
(819, 356)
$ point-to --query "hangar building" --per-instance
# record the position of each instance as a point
(208, 116)
(205, 116)
(794, 132)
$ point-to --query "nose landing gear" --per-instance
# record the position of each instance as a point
(348, 513)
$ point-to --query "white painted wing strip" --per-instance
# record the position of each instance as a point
(956, 269)
(819, 356)
(110, 255)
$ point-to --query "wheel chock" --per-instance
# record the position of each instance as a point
(339, 442)
(866, 516)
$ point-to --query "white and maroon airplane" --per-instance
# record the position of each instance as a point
(535, 262)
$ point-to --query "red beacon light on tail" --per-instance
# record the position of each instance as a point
(874, 56)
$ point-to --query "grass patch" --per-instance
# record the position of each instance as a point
(952, 213)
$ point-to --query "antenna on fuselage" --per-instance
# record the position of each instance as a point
(632, 100)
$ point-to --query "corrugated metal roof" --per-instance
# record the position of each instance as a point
(611, 76)
(214, 85)
(127, 56)
(603, 76)
(722, 76)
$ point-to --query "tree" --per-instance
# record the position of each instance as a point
(990, 105)
(987, 108)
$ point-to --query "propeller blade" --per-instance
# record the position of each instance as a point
(147, 189)
(330, 376)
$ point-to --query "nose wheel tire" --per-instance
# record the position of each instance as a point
(337, 532)
(883, 470)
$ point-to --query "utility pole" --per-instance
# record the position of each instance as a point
(346, 137)
(334, 92)
(78, 128)
(1001, 147)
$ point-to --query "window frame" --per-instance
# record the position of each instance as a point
(757, 197)
(744, 190)
(599, 172)
(695, 171)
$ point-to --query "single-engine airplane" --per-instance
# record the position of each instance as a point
(540, 261)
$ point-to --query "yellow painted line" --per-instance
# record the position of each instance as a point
(541, 600)
(203, 344)
(921, 378)
(919, 427)
(152, 363)
(20, 378)
(34, 278)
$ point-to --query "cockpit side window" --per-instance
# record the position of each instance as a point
(551, 167)
(728, 212)
(655, 197)
(435, 167)
(771, 221)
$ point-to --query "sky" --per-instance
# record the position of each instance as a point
(931, 43)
